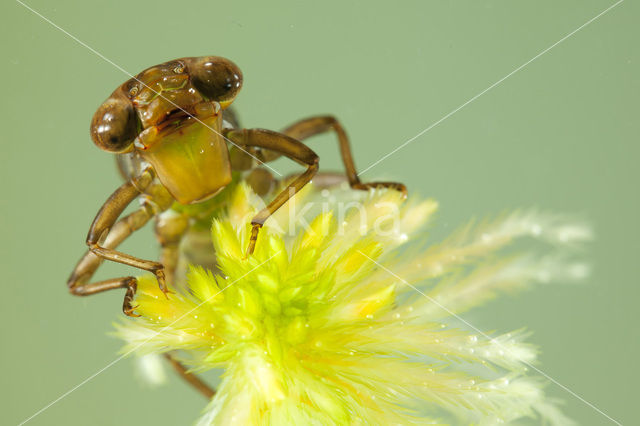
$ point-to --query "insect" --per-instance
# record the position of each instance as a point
(178, 145)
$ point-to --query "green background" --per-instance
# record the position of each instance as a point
(561, 134)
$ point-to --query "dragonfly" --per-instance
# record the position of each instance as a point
(178, 145)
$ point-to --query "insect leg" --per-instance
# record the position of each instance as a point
(229, 115)
(323, 180)
(170, 227)
(105, 234)
(191, 378)
(89, 263)
(284, 145)
(80, 288)
(312, 126)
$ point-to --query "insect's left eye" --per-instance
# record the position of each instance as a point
(178, 69)
(216, 78)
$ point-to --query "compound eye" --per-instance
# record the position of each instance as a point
(216, 78)
(114, 125)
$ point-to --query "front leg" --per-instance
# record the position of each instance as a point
(105, 234)
(126, 259)
(284, 145)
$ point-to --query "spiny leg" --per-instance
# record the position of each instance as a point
(130, 283)
(190, 378)
(287, 146)
(105, 233)
(106, 217)
(312, 126)
(89, 263)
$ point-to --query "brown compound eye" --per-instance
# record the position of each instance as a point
(114, 125)
(216, 78)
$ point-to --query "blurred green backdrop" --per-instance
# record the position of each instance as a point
(560, 134)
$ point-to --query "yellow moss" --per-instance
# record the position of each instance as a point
(312, 330)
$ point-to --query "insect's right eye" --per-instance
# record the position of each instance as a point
(133, 91)
(114, 125)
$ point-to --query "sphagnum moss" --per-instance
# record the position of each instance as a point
(328, 328)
